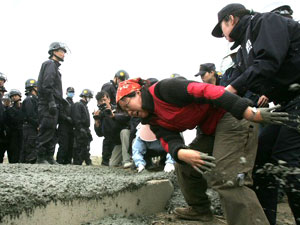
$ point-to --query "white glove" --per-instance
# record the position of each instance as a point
(169, 167)
(140, 168)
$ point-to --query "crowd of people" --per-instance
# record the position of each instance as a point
(239, 134)
(31, 129)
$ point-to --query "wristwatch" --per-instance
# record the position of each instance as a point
(254, 111)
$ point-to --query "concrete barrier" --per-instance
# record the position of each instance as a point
(148, 199)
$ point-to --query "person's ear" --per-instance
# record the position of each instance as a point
(233, 20)
(138, 92)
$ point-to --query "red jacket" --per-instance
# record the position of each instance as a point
(177, 118)
(177, 104)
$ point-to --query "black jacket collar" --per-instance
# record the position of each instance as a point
(84, 102)
(239, 30)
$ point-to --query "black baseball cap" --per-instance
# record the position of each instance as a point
(206, 67)
(227, 10)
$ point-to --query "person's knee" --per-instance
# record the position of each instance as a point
(125, 133)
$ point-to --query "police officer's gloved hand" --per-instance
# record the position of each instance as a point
(69, 119)
(83, 132)
(52, 108)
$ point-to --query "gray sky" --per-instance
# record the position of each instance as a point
(146, 38)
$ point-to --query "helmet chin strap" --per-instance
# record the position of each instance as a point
(59, 59)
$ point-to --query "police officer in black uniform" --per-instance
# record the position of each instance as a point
(82, 132)
(14, 122)
(50, 99)
(30, 124)
(65, 130)
(270, 49)
(3, 139)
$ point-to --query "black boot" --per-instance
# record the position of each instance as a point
(88, 162)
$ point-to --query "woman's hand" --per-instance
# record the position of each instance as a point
(197, 159)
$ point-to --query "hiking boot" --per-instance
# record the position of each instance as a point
(191, 214)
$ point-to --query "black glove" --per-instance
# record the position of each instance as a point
(52, 108)
(69, 120)
(83, 132)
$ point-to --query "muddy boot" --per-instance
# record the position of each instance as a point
(189, 213)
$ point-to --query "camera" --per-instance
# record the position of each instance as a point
(103, 108)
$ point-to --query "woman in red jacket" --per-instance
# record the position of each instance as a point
(174, 105)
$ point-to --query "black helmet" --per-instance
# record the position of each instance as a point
(86, 93)
(30, 83)
(3, 77)
(55, 46)
(70, 89)
(280, 8)
(122, 75)
(284, 10)
(14, 92)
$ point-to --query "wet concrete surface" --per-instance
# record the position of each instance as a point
(24, 187)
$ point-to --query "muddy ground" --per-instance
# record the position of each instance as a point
(23, 187)
(167, 217)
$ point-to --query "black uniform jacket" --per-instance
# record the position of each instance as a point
(270, 48)
(80, 115)
(30, 110)
(49, 83)
(111, 89)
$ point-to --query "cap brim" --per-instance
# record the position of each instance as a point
(217, 31)
(200, 73)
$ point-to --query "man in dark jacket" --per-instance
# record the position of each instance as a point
(270, 48)
(30, 124)
(82, 133)
(50, 99)
(111, 89)
(65, 130)
(114, 127)
(209, 74)
(14, 122)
